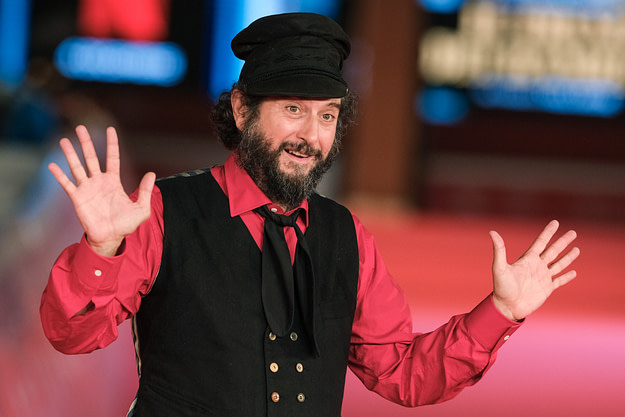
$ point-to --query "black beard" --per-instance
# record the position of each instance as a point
(263, 165)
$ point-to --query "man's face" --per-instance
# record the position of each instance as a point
(289, 145)
(302, 130)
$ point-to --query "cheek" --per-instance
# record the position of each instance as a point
(326, 142)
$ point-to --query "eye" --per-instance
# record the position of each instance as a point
(292, 109)
(328, 117)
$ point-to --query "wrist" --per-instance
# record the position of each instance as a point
(109, 249)
(505, 310)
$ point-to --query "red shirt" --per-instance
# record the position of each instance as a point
(405, 367)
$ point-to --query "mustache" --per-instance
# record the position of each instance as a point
(301, 148)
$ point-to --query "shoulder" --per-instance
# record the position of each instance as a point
(326, 210)
(184, 181)
(183, 175)
(318, 201)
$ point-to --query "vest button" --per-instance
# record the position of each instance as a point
(272, 336)
(301, 397)
(299, 367)
(275, 397)
(293, 336)
(273, 367)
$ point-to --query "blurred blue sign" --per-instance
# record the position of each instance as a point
(121, 61)
(551, 94)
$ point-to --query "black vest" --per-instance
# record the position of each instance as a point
(204, 347)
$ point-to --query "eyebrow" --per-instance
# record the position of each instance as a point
(335, 105)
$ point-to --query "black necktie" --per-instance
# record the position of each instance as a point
(279, 281)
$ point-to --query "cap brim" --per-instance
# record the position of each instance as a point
(303, 85)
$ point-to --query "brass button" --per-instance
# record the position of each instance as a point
(273, 367)
(299, 367)
(275, 397)
(293, 336)
(272, 336)
(301, 397)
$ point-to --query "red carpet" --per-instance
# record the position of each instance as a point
(567, 360)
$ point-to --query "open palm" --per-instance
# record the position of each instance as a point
(522, 287)
(104, 210)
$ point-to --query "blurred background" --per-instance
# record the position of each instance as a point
(473, 115)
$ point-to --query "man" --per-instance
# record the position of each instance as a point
(250, 294)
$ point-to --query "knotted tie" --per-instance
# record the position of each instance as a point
(281, 281)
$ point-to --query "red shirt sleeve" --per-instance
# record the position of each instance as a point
(109, 288)
(411, 368)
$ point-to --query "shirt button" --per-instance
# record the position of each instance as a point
(274, 210)
(97, 273)
(272, 336)
(506, 337)
(301, 397)
(275, 397)
(274, 367)
(293, 336)
(299, 367)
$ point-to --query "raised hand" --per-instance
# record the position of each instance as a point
(104, 210)
(521, 288)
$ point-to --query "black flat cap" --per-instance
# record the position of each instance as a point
(293, 54)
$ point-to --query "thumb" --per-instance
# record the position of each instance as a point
(145, 189)
(499, 251)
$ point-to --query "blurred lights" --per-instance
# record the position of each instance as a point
(583, 6)
(441, 6)
(14, 23)
(579, 7)
(440, 105)
(550, 94)
(536, 59)
(137, 20)
(121, 61)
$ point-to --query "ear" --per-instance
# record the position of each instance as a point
(239, 109)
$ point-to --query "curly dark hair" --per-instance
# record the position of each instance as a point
(228, 133)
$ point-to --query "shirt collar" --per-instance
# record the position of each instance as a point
(243, 193)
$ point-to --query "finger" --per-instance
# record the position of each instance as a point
(112, 151)
(73, 161)
(554, 250)
(564, 262)
(88, 150)
(564, 279)
(61, 178)
(544, 237)
(500, 259)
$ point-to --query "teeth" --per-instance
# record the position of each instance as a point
(300, 155)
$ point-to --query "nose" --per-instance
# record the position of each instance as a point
(309, 131)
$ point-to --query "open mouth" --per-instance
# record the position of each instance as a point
(301, 151)
(297, 153)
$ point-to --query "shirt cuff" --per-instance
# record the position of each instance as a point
(489, 326)
(93, 273)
